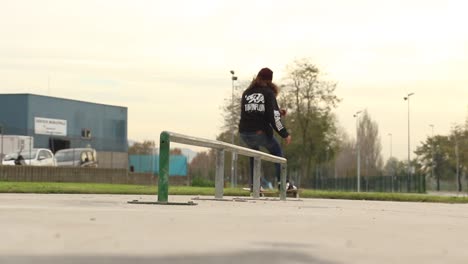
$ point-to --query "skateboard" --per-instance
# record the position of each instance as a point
(289, 193)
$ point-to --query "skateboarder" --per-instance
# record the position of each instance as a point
(260, 115)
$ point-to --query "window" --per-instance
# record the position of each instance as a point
(90, 156)
(48, 154)
(43, 155)
(86, 133)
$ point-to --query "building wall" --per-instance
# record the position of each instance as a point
(13, 117)
(107, 124)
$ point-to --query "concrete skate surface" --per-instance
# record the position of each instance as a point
(83, 228)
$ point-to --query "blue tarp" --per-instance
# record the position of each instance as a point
(150, 164)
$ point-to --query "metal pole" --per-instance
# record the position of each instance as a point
(409, 142)
(459, 187)
(432, 157)
(284, 172)
(233, 154)
(409, 152)
(391, 155)
(163, 185)
(358, 152)
(256, 177)
(219, 183)
(359, 169)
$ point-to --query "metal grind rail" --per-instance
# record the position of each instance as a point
(221, 147)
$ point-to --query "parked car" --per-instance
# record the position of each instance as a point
(33, 157)
(77, 157)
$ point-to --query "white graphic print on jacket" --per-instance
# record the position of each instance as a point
(255, 102)
(278, 123)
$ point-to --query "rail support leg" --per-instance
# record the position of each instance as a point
(256, 177)
(163, 185)
(283, 182)
(219, 182)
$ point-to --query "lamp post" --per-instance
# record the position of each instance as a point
(233, 154)
(432, 157)
(407, 98)
(459, 186)
(358, 154)
(392, 172)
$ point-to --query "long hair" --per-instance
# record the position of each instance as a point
(264, 83)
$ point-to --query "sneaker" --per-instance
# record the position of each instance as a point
(289, 186)
(279, 186)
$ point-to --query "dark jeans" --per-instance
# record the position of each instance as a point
(255, 140)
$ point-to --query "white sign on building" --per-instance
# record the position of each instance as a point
(49, 126)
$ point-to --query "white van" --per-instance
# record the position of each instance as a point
(77, 157)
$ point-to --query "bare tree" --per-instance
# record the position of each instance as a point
(145, 147)
(310, 101)
(371, 146)
(203, 165)
(231, 113)
(345, 161)
(175, 151)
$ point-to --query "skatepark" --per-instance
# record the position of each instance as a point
(82, 228)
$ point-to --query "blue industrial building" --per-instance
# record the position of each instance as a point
(58, 123)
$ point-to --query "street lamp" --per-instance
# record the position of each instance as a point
(390, 162)
(432, 157)
(358, 154)
(457, 157)
(233, 154)
(407, 98)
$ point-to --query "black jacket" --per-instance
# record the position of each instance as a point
(260, 111)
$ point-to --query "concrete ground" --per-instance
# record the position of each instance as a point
(63, 228)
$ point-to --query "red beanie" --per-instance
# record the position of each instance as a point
(265, 74)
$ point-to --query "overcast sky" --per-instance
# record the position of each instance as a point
(169, 61)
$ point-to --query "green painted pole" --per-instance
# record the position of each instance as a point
(163, 185)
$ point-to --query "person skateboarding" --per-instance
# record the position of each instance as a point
(260, 115)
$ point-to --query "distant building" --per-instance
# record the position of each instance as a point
(150, 164)
(57, 123)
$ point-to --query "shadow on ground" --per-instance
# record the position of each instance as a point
(263, 256)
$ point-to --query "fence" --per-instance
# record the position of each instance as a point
(414, 184)
(446, 185)
(82, 175)
(164, 144)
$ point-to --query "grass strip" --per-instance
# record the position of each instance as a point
(373, 196)
(104, 188)
(65, 187)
